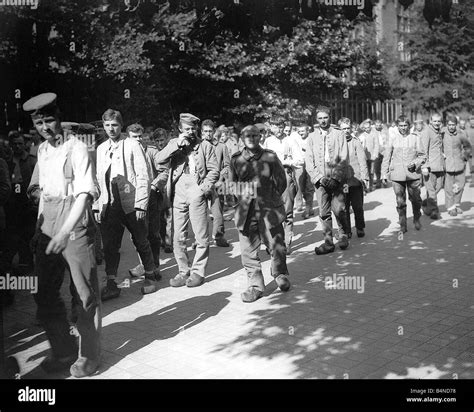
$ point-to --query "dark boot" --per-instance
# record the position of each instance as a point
(251, 294)
(283, 282)
(149, 285)
(325, 248)
(111, 291)
(343, 242)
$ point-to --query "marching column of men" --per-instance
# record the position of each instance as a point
(156, 192)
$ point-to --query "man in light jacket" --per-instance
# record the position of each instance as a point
(403, 158)
(457, 150)
(370, 141)
(433, 170)
(326, 163)
(124, 180)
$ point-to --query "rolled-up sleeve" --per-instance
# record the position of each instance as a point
(83, 167)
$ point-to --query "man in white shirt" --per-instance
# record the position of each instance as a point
(305, 189)
(279, 143)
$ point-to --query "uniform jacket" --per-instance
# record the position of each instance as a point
(266, 170)
(432, 142)
(457, 150)
(205, 159)
(357, 163)
(223, 159)
(131, 174)
(399, 153)
(316, 166)
(370, 141)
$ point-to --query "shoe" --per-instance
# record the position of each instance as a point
(459, 210)
(137, 271)
(179, 280)
(194, 245)
(417, 224)
(84, 367)
(111, 291)
(360, 232)
(157, 274)
(149, 286)
(325, 248)
(53, 365)
(221, 242)
(251, 295)
(451, 212)
(435, 215)
(349, 235)
(343, 243)
(168, 249)
(283, 282)
(194, 281)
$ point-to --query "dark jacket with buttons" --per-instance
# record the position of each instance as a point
(265, 171)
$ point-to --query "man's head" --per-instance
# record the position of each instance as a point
(451, 123)
(436, 120)
(189, 125)
(251, 137)
(366, 126)
(113, 123)
(287, 129)
(135, 131)
(403, 124)
(462, 124)
(303, 130)
(322, 117)
(346, 127)
(160, 137)
(378, 125)
(419, 124)
(44, 115)
(17, 143)
(277, 126)
(207, 129)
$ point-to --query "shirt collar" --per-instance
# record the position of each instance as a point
(248, 155)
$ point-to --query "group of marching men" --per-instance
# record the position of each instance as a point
(131, 182)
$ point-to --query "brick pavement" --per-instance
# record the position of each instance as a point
(413, 318)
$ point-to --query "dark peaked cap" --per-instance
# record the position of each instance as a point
(44, 103)
(188, 118)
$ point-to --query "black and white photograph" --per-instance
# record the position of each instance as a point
(274, 190)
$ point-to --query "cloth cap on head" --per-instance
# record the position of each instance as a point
(188, 118)
(43, 104)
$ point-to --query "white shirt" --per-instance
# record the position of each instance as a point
(298, 147)
(281, 147)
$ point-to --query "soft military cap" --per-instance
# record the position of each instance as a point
(43, 104)
(188, 118)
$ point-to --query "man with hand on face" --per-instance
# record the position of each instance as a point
(433, 169)
(403, 158)
(193, 172)
(457, 150)
(259, 216)
(326, 163)
(64, 179)
(124, 180)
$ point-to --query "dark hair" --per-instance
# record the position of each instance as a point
(323, 109)
(208, 122)
(135, 128)
(111, 114)
(451, 118)
(403, 119)
(159, 133)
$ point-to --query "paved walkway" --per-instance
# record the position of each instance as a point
(413, 317)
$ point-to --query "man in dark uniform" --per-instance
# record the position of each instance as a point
(65, 176)
(261, 180)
